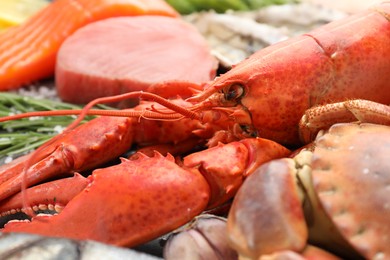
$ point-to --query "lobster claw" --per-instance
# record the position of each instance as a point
(50, 197)
(127, 204)
(146, 197)
(78, 150)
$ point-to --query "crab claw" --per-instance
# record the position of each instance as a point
(264, 218)
(127, 204)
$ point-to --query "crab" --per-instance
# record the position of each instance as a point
(334, 194)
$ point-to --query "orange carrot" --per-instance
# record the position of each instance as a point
(28, 52)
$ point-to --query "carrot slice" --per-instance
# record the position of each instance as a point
(28, 52)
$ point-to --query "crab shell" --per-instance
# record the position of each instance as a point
(344, 193)
(351, 176)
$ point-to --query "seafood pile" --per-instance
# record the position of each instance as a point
(293, 137)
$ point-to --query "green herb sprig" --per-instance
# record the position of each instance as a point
(21, 136)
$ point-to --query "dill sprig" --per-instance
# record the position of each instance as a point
(18, 137)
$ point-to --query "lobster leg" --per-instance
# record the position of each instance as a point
(143, 198)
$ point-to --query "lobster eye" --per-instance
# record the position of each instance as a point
(249, 131)
(234, 92)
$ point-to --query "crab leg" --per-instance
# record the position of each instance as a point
(323, 117)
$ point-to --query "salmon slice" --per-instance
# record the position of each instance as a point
(28, 52)
(125, 54)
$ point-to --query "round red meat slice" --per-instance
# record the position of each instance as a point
(124, 54)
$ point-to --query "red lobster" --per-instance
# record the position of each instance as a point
(265, 95)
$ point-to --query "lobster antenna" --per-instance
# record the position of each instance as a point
(87, 110)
